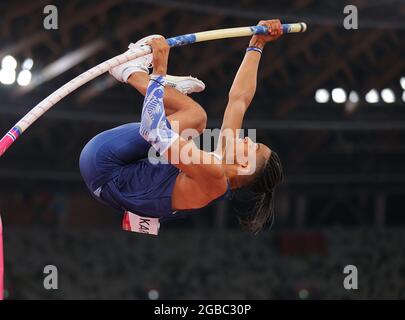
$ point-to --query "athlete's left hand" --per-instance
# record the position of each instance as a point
(160, 51)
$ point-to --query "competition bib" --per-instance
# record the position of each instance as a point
(133, 222)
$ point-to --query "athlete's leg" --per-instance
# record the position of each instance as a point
(110, 151)
(178, 107)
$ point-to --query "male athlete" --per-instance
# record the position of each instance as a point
(115, 164)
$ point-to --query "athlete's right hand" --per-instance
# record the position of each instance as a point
(160, 51)
(275, 31)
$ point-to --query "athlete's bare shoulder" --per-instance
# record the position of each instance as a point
(189, 193)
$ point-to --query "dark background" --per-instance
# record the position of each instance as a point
(342, 201)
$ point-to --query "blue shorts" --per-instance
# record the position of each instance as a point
(117, 171)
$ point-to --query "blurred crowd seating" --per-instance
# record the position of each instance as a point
(204, 264)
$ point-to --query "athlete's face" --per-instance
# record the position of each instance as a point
(249, 153)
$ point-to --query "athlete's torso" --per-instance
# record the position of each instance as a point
(117, 170)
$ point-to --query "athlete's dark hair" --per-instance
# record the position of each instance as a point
(262, 189)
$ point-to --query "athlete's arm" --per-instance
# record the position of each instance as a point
(155, 128)
(244, 85)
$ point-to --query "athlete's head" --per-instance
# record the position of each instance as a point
(260, 172)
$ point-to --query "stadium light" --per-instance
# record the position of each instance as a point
(352, 102)
(388, 95)
(7, 76)
(339, 95)
(321, 96)
(24, 78)
(402, 82)
(28, 64)
(303, 294)
(9, 63)
(372, 96)
(153, 294)
(354, 97)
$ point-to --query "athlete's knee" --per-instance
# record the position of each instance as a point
(200, 117)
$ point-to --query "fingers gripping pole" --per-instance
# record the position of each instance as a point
(14, 133)
(231, 33)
